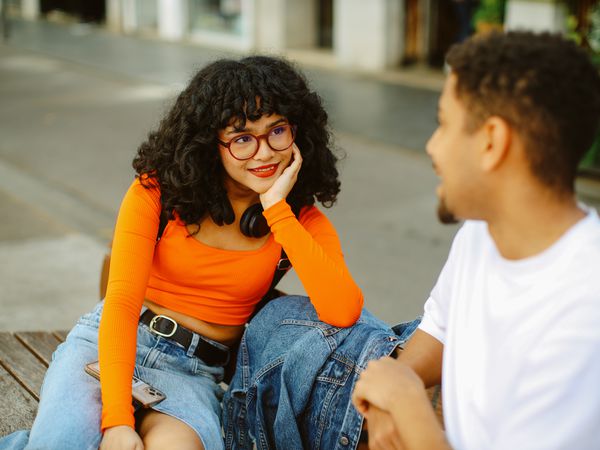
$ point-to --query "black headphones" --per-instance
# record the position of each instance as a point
(253, 224)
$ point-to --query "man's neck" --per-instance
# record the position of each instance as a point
(527, 227)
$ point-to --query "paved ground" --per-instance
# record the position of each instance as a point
(75, 103)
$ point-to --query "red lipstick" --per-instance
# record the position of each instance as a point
(264, 171)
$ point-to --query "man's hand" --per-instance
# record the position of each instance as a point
(383, 383)
(284, 184)
(121, 437)
(383, 434)
(392, 386)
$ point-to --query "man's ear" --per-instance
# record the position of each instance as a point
(497, 138)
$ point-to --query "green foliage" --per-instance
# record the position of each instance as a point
(572, 32)
(489, 11)
(591, 33)
(592, 157)
(594, 30)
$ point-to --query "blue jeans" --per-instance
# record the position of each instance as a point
(70, 404)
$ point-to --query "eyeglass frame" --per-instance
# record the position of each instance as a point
(259, 138)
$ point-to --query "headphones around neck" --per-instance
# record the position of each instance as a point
(253, 224)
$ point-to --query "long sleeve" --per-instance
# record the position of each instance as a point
(314, 249)
(131, 259)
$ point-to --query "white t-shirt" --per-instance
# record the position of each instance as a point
(521, 366)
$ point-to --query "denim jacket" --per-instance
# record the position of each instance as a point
(295, 375)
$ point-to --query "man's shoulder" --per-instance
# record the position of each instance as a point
(586, 236)
(592, 223)
(472, 233)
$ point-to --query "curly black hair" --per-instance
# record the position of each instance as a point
(543, 85)
(182, 156)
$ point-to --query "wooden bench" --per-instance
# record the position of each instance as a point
(24, 358)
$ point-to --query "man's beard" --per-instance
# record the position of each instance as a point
(444, 214)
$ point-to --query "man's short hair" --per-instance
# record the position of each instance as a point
(543, 85)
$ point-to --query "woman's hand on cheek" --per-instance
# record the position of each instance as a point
(284, 184)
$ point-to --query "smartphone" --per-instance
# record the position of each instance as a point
(142, 392)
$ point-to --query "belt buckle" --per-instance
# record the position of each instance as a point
(160, 333)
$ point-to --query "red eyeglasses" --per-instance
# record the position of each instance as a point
(245, 146)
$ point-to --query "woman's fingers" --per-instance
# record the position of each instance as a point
(285, 182)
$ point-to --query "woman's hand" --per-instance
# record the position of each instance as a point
(284, 184)
(121, 437)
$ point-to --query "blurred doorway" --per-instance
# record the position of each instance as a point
(432, 26)
(412, 32)
(84, 10)
(445, 31)
(325, 24)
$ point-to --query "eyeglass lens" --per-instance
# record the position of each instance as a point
(279, 138)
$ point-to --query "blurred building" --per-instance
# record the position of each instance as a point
(351, 33)
(359, 34)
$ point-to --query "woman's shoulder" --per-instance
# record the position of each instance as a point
(144, 189)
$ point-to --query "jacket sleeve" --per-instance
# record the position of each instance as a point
(314, 249)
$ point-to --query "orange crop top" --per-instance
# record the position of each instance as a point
(214, 285)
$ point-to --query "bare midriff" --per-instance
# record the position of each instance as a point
(225, 334)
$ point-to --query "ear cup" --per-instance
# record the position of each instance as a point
(253, 223)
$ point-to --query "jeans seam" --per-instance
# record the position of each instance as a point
(144, 362)
(325, 412)
(267, 368)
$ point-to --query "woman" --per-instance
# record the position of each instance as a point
(242, 133)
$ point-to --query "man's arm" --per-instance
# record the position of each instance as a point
(409, 413)
(423, 354)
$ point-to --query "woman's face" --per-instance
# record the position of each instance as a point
(259, 172)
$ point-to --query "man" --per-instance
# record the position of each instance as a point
(512, 326)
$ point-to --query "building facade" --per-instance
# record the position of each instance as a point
(368, 35)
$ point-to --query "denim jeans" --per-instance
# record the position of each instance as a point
(295, 375)
(70, 404)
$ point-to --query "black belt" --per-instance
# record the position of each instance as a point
(207, 350)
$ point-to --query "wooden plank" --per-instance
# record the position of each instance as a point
(61, 335)
(17, 408)
(21, 364)
(42, 344)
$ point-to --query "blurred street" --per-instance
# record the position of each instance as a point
(75, 103)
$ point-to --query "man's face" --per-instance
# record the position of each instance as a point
(453, 153)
